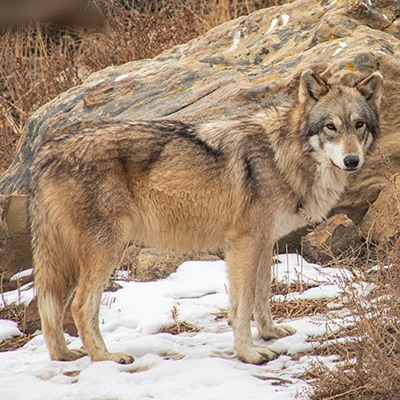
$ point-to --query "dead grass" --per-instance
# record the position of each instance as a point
(15, 343)
(14, 312)
(299, 308)
(178, 326)
(370, 361)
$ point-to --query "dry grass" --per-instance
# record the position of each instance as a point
(369, 360)
(15, 343)
(178, 326)
(299, 308)
(14, 312)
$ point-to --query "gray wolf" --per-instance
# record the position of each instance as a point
(237, 185)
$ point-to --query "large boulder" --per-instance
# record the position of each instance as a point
(15, 248)
(237, 68)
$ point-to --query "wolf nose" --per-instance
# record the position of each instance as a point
(351, 162)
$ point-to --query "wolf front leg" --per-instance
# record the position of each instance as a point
(262, 312)
(243, 257)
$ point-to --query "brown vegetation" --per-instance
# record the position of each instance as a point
(368, 365)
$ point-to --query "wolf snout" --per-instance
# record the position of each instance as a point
(351, 162)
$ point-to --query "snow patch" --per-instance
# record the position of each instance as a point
(22, 274)
(236, 40)
(274, 22)
(285, 20)
(121, 78)
(199, 365)
(8, 329)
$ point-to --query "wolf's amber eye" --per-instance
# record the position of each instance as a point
(331, 126)
(359, 124)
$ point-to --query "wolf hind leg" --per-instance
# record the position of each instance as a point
(262, 312)
(86, 304)
(52, 301)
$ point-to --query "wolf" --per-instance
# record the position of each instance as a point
(237, 185)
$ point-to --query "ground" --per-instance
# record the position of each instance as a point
(176, 329)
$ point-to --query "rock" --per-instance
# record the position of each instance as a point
(152, 264)
(148, 264)
(237, 68)
(381, 223)
(15, 245)
(32, 320)
(330, 239)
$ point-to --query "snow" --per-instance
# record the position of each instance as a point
(22, 295)
(285, 20)
(236, 40)
(274, 22)
(8, 329)
(337, 51)
(121, 78)
(196, 366)
(22, 274)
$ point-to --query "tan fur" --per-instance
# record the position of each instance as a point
(235, 185)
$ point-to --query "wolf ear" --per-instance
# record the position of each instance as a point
(371, 88)
(312, 87)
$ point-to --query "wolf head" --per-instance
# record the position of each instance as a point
(341, 122)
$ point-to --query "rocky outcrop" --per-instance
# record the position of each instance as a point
(147, 264)
(334, 237)
(15, 249)
(382, 220)
(237, 68)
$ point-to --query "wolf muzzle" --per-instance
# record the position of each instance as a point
(351, 162)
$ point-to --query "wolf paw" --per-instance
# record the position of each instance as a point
(70, 355)
(119, 358)
(256, 354)
(277, 331)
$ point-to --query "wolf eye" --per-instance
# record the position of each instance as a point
(359, 124)
(331, 126)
